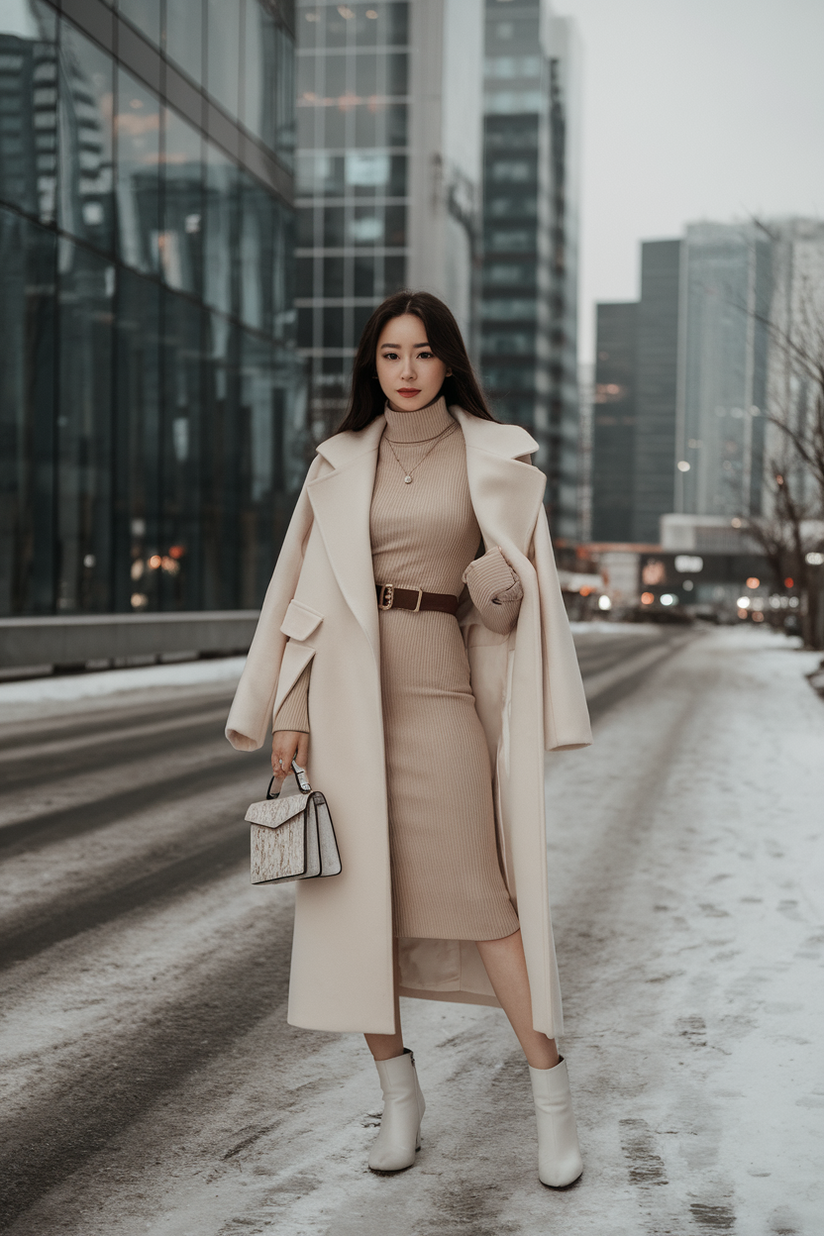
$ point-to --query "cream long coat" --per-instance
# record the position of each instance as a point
(321, 605)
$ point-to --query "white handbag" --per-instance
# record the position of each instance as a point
(293, 838)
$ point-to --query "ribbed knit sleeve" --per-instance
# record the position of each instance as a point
(293, 713)
(495, 590)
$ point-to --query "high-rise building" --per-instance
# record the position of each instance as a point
(719, 447)
(656, 387)
(151, 427)
(693, 373)
(613, 423)
(530, 271)
(388, 176)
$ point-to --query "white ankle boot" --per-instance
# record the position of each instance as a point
(559, 1156)
(403, 1107)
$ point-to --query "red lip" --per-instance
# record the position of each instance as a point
(409, 390)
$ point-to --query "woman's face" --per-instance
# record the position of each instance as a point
(408, 371)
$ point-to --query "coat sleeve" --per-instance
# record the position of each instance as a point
(250, 718)
(566, 716)
(495, 590)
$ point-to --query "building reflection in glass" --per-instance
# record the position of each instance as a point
(152, 430)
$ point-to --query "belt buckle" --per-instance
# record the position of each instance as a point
(420, 598)
(387, 596)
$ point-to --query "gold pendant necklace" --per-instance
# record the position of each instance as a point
(408, 474)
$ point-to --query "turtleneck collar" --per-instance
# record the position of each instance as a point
(418, 426)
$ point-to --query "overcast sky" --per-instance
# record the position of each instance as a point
(692, 109)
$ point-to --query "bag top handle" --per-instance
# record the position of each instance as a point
(300, 777)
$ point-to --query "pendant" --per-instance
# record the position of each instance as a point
(408, 480)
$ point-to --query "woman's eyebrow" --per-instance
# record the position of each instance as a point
(398, 345)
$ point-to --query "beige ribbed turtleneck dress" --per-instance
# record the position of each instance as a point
(446, 878)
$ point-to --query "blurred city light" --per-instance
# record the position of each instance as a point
(683, 466)
(743, 602)
(604, 603)
(689, 564)
(814, 559)
(647, 598)
(667, 598)
(753, 582)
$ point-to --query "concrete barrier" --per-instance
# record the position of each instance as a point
(82, 641)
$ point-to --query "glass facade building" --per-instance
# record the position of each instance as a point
(353, 152)
(529, 305)
(725, 342)
(388, 171)
(613, 422)
(152, 431)
(656, 390)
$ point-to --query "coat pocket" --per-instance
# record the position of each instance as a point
(300, 620)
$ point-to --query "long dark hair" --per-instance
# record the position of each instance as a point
(367, 400)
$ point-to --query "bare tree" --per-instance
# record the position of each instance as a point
(790, 532)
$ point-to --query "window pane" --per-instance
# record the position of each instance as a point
(306, 226)
(220, 231)
(255, 249)
(178, 576)
(394, 274)
(333, 328)
(364, 276)
(333, 234)
(27, 416)
(28, 133)
(184, 36)
(396, 226)
(86, 285)
(222, 464)
(223, 53)
(306, 320)
(145, 14)
(397, 71)
(181, 253)
(304, 278)
(136, 448)
(332, 276)
(86, 202)
(268, 81)
(137, 179)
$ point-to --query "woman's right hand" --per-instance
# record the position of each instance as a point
(288, 745)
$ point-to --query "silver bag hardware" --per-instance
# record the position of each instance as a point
(293, 838)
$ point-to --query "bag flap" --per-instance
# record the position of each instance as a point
(273, 812)
(300, 621)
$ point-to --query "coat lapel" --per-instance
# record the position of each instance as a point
(506, 494)
(341, 501)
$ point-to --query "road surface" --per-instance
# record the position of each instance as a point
(150, 1082)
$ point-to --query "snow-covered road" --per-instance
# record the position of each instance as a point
(150, 1082)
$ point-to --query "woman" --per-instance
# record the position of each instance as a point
(430, 675)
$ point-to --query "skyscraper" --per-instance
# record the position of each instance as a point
(529, 299)
(723, 369)
(614, 422)
(696, 379)
(388, 180)
(656, 387)
(152, 433)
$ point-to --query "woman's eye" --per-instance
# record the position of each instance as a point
(389, 356)
(425, 356)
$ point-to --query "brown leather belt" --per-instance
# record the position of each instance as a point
(390, 597)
